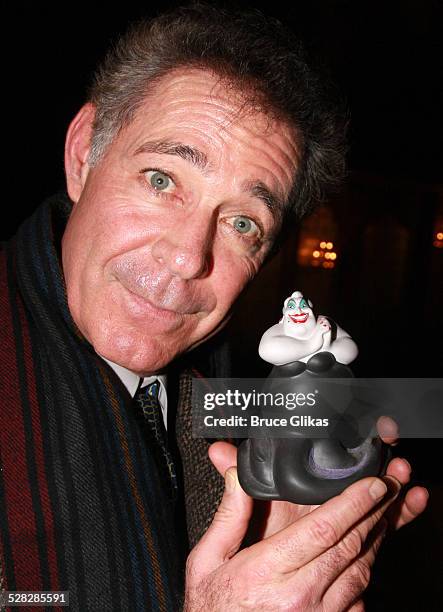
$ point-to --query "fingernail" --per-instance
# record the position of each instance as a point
(377, 489)
(230, 480)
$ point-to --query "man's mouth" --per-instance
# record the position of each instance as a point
(170, 311)
(160, 309)
(162, 292)
(300, 318)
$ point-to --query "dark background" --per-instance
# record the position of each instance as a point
(386, 287)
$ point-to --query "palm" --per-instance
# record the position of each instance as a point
(281, 514)
(271, 516)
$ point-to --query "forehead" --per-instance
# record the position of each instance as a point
(196, 107)
(230, 103)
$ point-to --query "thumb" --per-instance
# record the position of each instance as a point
(223, 455)
(228, 528)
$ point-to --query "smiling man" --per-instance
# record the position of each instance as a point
(203, 132)
(175, 219)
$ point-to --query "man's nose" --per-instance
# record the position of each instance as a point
(186, 248)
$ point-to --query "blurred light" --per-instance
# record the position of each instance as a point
(316, 257)
(438, 240)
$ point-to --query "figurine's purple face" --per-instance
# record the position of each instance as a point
(298, 319)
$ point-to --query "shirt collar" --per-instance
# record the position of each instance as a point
(131, 380)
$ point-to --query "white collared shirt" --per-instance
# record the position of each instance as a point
(132, 381)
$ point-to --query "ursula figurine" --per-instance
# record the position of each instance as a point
(299, 335)
(302, 348)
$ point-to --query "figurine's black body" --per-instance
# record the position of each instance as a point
(302, 470)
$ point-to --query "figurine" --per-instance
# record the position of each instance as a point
(299, 335)
(298, 469)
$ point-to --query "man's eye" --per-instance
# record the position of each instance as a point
(291, 304)
(159, 180)
(303, 304)
(244, 225)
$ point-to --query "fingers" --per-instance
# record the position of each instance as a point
(407, 509)
(223, 455)
(325, 569)
(387, 429)
(346, 591)
(400, 469)
(227, 530)
(413, 503)
(323, 528)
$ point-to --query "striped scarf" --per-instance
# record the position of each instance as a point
(82, 506)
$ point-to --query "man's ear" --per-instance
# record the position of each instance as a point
(77, 147)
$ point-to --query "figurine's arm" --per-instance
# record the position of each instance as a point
(279, 349)
(343, 348)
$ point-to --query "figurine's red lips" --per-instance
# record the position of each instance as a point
(301, 318)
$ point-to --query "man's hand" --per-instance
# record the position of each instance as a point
(278, 514)
(307, 557)
(321, 561)
(414, 502)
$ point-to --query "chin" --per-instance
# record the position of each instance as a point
(136, 345)
(142, 355)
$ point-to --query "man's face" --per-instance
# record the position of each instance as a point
(176, 218)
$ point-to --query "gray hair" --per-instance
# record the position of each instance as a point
(255, 54)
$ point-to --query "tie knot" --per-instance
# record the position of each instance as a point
(153, 389)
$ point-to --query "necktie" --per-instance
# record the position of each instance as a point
(147, 399)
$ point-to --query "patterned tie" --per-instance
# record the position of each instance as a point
(147, 399)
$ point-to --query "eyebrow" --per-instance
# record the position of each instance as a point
(197, 158)
(272, 201)
(166, 147)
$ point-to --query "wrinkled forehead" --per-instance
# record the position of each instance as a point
(242, 97)
(220, 129)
